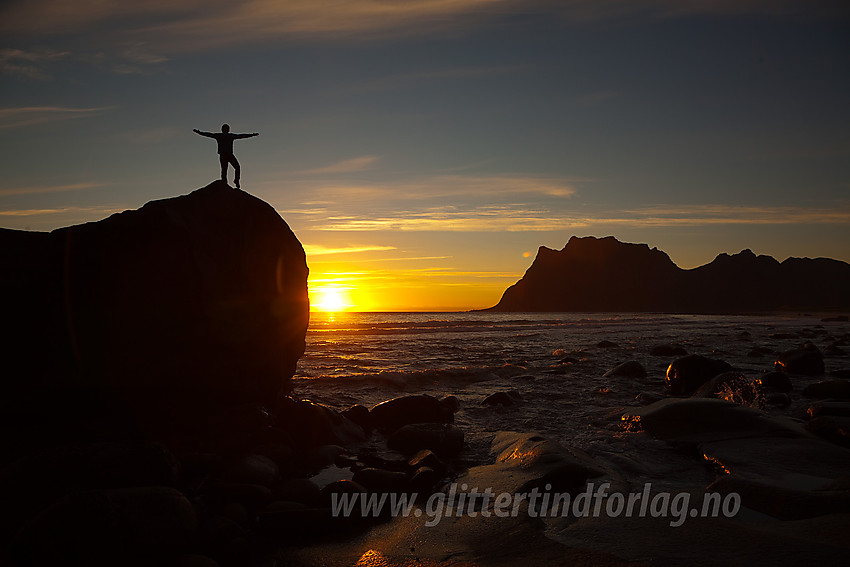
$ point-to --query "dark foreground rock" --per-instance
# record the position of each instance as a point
(806, 359)
(685, 375)
(404, 410)
(120, 527)
(189, 301)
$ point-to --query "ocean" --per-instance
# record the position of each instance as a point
(367, 358)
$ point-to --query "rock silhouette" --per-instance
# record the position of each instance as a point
(604, 274)
(189, 302)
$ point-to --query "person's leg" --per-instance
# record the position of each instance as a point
(222, 158)
(236, 169)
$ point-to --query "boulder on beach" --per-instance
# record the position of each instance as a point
(838, 389)
(777, 381)
(509, 398)
(189, 301)
(699, 420)
(686, 374)
(667, 350)
(806, 359)
(730, 386)
(442, 438)
(628, 369)
(404, 410)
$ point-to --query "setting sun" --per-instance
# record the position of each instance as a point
(330, 298)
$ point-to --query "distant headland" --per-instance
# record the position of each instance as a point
(604, 274)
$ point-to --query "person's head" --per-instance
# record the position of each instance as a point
(225, 128)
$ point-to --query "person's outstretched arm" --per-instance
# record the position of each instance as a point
(207, 134)
(240, 136)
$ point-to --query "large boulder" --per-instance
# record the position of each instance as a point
(404, 410)
(186, 302)
(685, 375)
(806, 359)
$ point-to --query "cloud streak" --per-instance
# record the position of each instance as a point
(27, 63)
(517, 218)
(48, 189)
(319, 250)
(32, 115)
(353, 165)
(206, 24)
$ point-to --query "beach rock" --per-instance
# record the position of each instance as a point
(195, 560)
(758, 352)
(509, 398)
(253, 469)
(668, 350)
(32, 483)
(441, 438)
(404, 410)
(646, 398)
(834, 350)
(298, 490)
(777, 399)
(833, 428)
(424, 479)
(101, 527)
(524, 461)
(777, 381)
(359, 414)
(839, 389)
(607, 344)
(379, 480)
(729, 386)
(782, 502)
(340, 487)
(628, 369)
(685, 375)
(222, 537)
(187, 303)
(691, 421)
(311, 424)
(426, 458)
(828, 407)
(807, 360)
(451, 402)
(251, 496)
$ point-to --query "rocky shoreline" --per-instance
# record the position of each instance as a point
(149, 420)
(253, 485)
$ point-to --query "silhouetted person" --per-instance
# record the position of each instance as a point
(225, 149)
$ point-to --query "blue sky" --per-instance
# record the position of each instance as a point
(423, 150)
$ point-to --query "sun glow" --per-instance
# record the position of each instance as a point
(330, 297)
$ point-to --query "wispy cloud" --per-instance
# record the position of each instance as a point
(319, 250)
(27, 63)
(97, 212)
(31, 115)
(520, 218)
(48, 189)
(204, 24)
(667, 215)
(353, 165)
(454, 186)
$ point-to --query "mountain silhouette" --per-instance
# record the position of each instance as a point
(604, 274)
